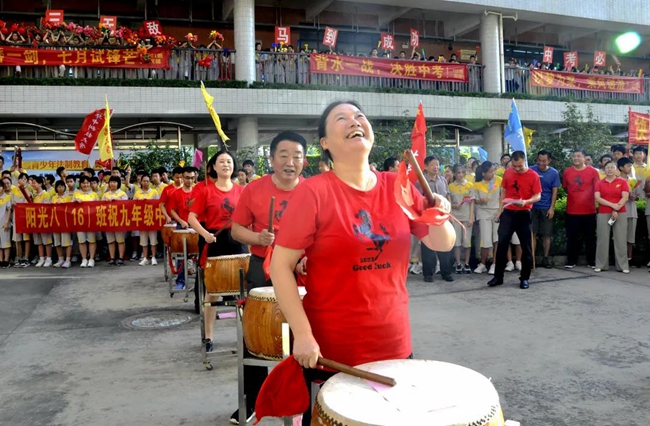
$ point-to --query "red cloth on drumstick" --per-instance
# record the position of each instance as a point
(266, 266)
(404, 197)
(284, 392)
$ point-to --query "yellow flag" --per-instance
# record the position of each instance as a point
(104, 139)
(528, 136)
(215, 117)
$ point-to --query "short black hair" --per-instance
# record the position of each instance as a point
(618, 148)
(429, 159)
(50, 179)
(60, 170)
(116, 168)
(188, 169)
(505, 155)
(6, 172)
(90, 170)
(518, 155)
(155, 171)
(115, 179)
(57, 184)
(71, 177)
(145, 175)
(622, 162)
(639, 149)
(162, 170)
(94, 179)
(83, 179)
(602, 157)
(39, 180)
(581, 151)
(389, 162)
(245, 163)
(288, 136)
(545, 152)
(178, 170)
(23, 175)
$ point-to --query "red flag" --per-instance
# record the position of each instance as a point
(418, 142)
(104, 165)
(93, 124)
(284, 393)
(638, 128)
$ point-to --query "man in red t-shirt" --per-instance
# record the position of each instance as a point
(579, 182)
(178, 208)
(523, 186)
(177, 175)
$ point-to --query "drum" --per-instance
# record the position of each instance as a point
(262, 323)
(190, 236)
(167, 233)
(427, 393)
(221, 273)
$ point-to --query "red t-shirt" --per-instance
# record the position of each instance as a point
(612, 192)
(357, 245)
(253, 207)
(580, 186)
(179, 201)
(166, 193)
(215, 205)
(521, 186)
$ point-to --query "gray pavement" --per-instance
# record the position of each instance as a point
(574, 349)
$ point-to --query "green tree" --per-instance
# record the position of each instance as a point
(155, 156)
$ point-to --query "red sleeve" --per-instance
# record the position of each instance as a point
(165, 194)
(198, 204)
(172, 201)
(564, 178)
(243, 214)
(597, 187)
(302, 213)
(420, 230)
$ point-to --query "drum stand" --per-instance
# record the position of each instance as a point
(172, 281)
(254, 361)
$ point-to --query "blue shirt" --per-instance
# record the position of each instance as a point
(549, 179)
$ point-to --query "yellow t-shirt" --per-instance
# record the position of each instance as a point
(42, 198)
(117, 195)
(85, 196)
(51, 191)
(5, 206)
(461, 193)
(60, 199)
(160, 187)
(152, 194)
(492, 191)
(640, 172)
(500, 171)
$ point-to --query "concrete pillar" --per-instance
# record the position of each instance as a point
(247, 132)
(492, 137)
(490, 53)
(245, 40)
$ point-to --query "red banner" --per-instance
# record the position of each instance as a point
(283, 35)
(109, 22)
(388, 68)
(415, 38)
(387, 41)
(570, 60)
(330, 36)
(639, 128)
(98, 58)
(591, 82)
(548, 55)
(93, 216)
(152, 28)
(54, 16)
(600, 58)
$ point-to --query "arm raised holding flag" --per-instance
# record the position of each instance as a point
(514, 131)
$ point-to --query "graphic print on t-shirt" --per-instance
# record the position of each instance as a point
(578, 181)
(364, 231)
(227, 206)
(283, 207)
(516, 186)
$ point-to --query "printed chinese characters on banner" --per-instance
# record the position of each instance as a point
(600, 58)
(330, 36)
(639, 128)
(54, 16)
(415, 38)
(109, 22)
(387, 68)
(591, 82)
(143, 215)
(570, 60)
(387, 41)
(283, 35)
(153, 28)
(97, 58)
(89, 132)
(548, 55)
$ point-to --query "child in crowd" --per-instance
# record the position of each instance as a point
(462, 207)
(62, 240)
(42, 240)
(487, 190)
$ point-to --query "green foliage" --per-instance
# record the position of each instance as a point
(583, 131)
(155, 156)
(24, 81)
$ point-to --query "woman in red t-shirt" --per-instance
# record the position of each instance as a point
(611, 195)
(357, 241)
(214, 203)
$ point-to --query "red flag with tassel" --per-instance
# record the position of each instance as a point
(418, 142)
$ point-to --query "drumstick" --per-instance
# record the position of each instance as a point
(223, 228)
(271, 211)
(388, 381)
(423, 181)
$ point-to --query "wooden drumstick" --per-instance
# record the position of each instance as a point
(223, 228)
(388, 381)
(423, 181)
(271, 212)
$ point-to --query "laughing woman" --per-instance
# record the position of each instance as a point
(357, 240)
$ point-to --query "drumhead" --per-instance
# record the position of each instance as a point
(185, 231)
(230, 256)
(427, 393)
(268, 293)
(169, 225)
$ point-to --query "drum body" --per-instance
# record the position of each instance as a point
(191, 237)
(427, 393)
(262, 323)
(221, 273)
(167, 233)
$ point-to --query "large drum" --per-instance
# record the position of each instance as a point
(262, 323)
(427, 393)
(181, 235)
(221, 273)
(167, 233)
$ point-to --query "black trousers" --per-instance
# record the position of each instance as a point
(512, 221)
(581, 227)
(429, 261)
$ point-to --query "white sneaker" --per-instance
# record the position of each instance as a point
(48, 262)
(84, 263)
(40, 263)
(518, 265)
(417, 268)
(491, 271)
(66, 264)
(154, 261)
(411, 265)
(626, 271)
(648, 265)
(91, 263)
(437, 267)
(597, 270)
(144, 262)
(510, 267)
(480, 269)
(58, 264)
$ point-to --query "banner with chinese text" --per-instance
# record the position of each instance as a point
(639, 128)
(99, 58)
(591, 82)
(388, 68)
(142, 215)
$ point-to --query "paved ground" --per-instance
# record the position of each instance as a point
(572, 350)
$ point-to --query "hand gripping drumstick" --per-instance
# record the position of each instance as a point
(223, 228)
(388, 381)
(271, 211)
(423, 181)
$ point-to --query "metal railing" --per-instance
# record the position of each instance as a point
(518, 80)
(184, 64)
